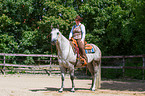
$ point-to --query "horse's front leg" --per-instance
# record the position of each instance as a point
(62, 78)
(72, 79)
(62, 82)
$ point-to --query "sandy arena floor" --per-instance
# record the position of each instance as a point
(44, 85)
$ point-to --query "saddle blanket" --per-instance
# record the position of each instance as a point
(89, 49)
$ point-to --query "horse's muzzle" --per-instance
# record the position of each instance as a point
(53, 42)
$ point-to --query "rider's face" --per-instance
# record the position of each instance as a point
(77, 22)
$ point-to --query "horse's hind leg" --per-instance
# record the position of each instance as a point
(93, 68)
(97, 75)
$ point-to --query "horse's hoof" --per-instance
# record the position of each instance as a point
(60, 91)
(93, 90)
(72, 90)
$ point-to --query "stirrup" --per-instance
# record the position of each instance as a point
(84, 62)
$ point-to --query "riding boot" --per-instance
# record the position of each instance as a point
(85, 61)
(82, 52)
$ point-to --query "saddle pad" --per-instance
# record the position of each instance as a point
(89, 48)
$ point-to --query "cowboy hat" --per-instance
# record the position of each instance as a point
(79, 18)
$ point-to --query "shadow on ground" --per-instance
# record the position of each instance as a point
(123, 86)
(55, 89)
(106, 85)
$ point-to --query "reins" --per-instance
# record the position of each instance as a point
(51, 44)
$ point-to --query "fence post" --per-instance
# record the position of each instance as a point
(143, 58)
(50, 65)
(123, 66)
(4, 63)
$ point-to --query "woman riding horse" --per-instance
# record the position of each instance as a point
(68, 59)
(78, 33)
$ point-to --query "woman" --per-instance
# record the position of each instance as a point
(78, 32)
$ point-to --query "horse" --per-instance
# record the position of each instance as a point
(67, 60)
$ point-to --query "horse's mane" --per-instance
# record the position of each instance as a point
(60, 33)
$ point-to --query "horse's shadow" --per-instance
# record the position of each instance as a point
(55, 89)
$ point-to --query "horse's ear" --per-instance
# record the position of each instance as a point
(51, 26)
(57, 26)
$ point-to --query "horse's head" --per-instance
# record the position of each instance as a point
(55, 33)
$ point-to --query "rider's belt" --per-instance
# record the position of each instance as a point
(77, 36)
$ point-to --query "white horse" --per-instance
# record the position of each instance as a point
(67, 60)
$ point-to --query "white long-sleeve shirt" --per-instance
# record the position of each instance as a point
(82, 30)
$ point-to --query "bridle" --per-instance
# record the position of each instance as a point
(51, 43)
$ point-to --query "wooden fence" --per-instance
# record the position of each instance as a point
(4, 64)
(122, 66)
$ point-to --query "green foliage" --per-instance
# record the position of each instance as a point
(7, 44)
(115, 26)
(112, 25)
(139, 40)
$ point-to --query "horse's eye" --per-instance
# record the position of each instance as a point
(57, 33)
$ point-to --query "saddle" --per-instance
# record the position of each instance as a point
(88, 49)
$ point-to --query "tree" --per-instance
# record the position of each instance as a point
(114, 25)
(139, 32)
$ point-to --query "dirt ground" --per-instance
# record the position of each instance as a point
(44, 85)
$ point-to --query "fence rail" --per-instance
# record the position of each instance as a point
(123, 65)
(123, 61)
(131, 56)
(33, 55)
(4, 64)
(31, 66)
